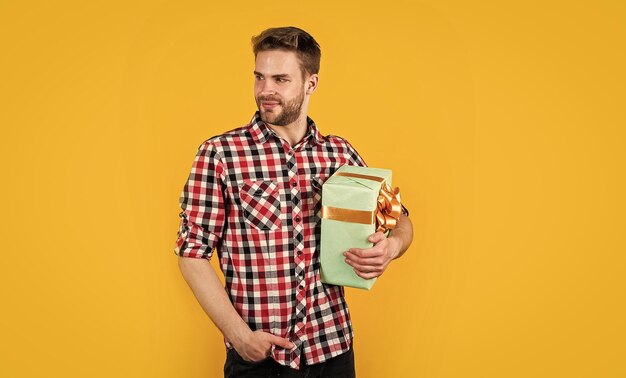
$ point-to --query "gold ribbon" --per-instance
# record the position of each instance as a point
(386, 214)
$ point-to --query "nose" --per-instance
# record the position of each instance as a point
(266, 87)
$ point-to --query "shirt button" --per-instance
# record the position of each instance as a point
(294, 184)
(299, 253)
(301, 287)
(297, 219)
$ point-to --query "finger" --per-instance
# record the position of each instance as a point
(366, 253)
(281, 342)
(375, 261)
(368, 276)
(358, 252)
(364, 268)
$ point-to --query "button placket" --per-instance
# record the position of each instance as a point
(298, 242)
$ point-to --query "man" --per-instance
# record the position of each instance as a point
(253, 194)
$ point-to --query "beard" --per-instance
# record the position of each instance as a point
(289, 113)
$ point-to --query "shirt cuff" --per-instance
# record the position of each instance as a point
(405, 211)
(195, 243)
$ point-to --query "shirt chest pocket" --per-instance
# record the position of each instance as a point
(260, 203)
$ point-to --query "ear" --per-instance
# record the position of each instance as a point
(311, 83)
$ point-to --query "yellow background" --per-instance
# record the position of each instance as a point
(508, 145)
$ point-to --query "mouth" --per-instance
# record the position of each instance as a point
(269, 104)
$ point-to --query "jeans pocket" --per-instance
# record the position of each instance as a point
(245, 362)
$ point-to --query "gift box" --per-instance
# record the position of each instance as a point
(356, 202)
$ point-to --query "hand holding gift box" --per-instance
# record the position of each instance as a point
(356, 202)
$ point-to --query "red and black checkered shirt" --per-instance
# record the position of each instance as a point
(256, 200)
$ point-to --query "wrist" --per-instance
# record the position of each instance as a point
(239, 335)
(394, 243)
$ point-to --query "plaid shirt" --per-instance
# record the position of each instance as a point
(256, 200)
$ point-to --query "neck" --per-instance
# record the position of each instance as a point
(293, 132)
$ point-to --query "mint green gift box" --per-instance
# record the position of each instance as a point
(339, 236)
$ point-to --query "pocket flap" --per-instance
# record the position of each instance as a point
(259, 188)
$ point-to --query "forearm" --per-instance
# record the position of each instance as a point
(402, 235)
(208, 290)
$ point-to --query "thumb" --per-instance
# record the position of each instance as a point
(281, 342)
(376, 237)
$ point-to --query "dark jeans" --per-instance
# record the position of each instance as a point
(341, 366)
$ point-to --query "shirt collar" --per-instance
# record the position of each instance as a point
(261, 132)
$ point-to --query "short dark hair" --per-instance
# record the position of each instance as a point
(290, 38)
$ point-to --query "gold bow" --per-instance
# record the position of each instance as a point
(388, 208)
(386, 214)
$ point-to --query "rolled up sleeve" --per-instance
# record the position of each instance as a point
(202, 202)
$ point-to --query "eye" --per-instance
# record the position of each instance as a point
(281, 80)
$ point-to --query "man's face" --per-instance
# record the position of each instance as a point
(278, 87)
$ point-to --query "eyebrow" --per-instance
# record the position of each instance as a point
(279, 76)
